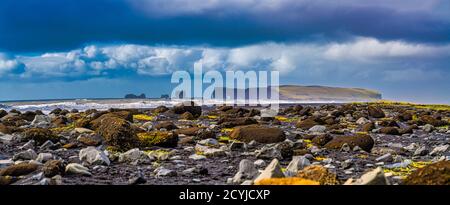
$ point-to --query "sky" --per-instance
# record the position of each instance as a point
(107, 48)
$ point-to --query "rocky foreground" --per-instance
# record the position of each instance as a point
(358, 143)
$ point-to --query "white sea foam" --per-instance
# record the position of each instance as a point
(85, 104)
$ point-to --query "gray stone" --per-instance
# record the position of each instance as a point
(439, 150)
(268, 152)
(297, 164)
(385, 158)
(25, 155)
(318, 129)
(133, 155)
(44, 157)
(209, 142)
(428, 128)
(362, 121)
(6, 139)
(421, 151)
(29, 145)
(374, 177)
(78, 169)
(197, 157)
(247, 171)
(273, 170)
(259, 163)
(47, 145)
(93, 156)
(42, 121)
(163, 172)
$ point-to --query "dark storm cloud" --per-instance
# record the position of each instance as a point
(52, 25)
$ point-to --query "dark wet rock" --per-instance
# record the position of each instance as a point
(56, 111)
(388, 123)
(195, 110)
(19, 169)
(3, 113)
(28, 115)
(13, 120)
(7, 180)
(405, 116)
(233, 122)
(427, 119)
(60, 121)
(160, 109)
(117, 132)
(321, 140)
(40, 135)
(205, 134)
(408, 130)
(260, 134)
(52, 168)
(89, 139)
(168, 125)
(434, 174)
(390, 130)
(306, 124)
(158, 138)
(306, 111)
(253, 112)
(361, 140)
(368, 127)
(375, 112)
(190, 131)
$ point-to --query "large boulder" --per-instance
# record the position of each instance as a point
(40, 135)
(363, 141)
(125, 115)
(427, 119)
(260, 134)
(434, 174)
(117, 132)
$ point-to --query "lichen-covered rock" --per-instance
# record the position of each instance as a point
(125, 115)
(190, 131)
(260, 134)
(158, 138)
(319, 174)
(117, 132)
(434, 174)
(19, 169)
(375, 112)
(40, 135)
(363, 141)
(187, 116)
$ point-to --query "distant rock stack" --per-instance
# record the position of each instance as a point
(133, 96)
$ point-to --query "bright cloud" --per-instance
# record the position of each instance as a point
(295, 58)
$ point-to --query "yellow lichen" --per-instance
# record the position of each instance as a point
(212, 117)
(403, 172)
(286, 181)
(319, 158)
(224, 139)
(142, 117)
(226, 130)
(152, 138)
(67, 128)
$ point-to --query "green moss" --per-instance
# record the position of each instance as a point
(157, 138)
